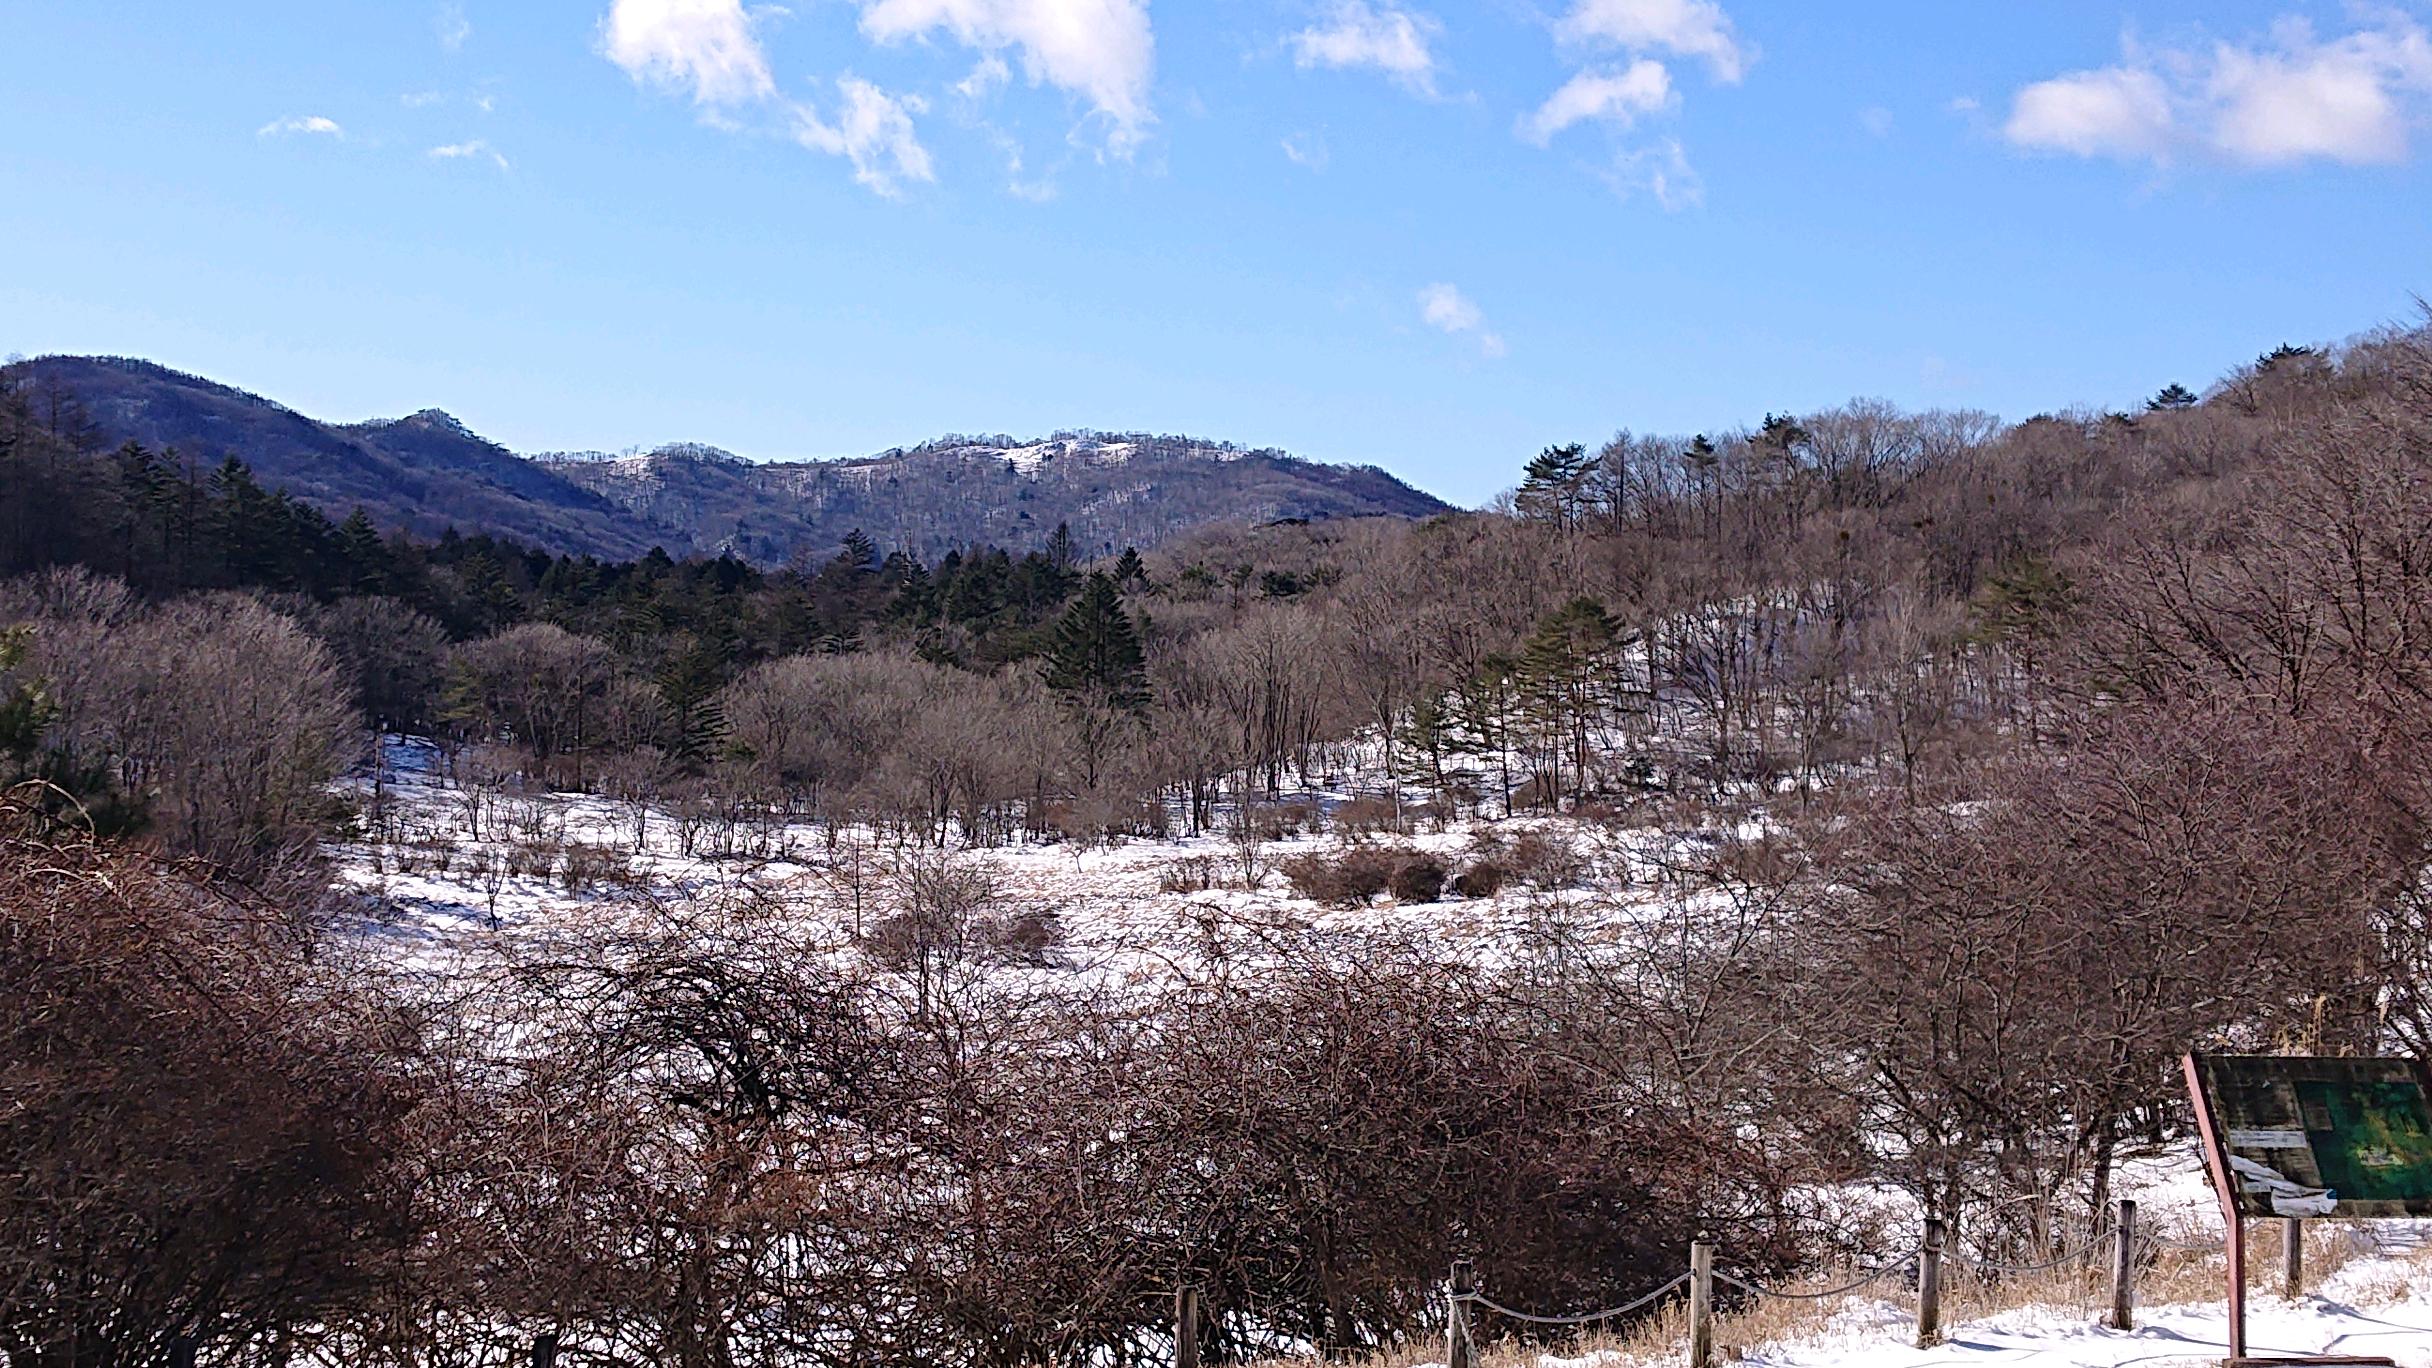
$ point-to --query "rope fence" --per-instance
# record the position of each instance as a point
(1778, 1294)
(1921, 1268)
(1586, 1318)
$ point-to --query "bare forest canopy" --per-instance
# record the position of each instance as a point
(428, 473)
(1994, 765)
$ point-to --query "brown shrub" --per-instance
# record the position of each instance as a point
(1347, 878)
(1280, 821)
(1418, 879)
(1367, 816)
(1482, 880)
(589, 866)
(1546, 861)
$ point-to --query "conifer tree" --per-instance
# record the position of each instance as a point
(1482, 713)
(860, 552)
(1096, 656)
(2172, 396)
(1567, 680)
(1555, 484)
(365, 555)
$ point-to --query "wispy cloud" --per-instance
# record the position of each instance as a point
(709, 50)
(313, 124)
(1454, 314)
(452, 27)
(472, 150)
(1621, 94)
(988, 76)
(1101, 51)
(1620, 98)
(2288, 98)
(1680, 28)
(1388, 38)
(1308, 150)
(1877, 121)
(872, 130)
(1660, 171)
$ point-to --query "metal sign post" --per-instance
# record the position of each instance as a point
(2301, 1139)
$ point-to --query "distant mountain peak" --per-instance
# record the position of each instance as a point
(427, 471)
(438, 419)
(697, 451)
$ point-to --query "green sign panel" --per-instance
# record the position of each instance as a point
(2303, 1138)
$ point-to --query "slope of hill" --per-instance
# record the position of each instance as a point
(424, 473)
(428, 472)
(1113, 490)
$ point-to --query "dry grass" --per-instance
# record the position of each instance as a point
(1888, 1307)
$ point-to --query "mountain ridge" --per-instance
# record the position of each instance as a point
(429, 470)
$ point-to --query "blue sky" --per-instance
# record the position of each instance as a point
(1430, 234)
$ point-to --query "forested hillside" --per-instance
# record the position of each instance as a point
(909, 956)
(427, 474)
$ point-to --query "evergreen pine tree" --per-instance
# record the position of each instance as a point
(1555, 483)
(860, 552)
(1566, 678)
(1096, 655)
(2172, 396)
(1130, 571)
(365, 555)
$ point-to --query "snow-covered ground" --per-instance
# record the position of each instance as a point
(2338, 1321)
(438, 873)
(441, 865)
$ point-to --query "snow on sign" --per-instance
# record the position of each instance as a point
(2301, 1138)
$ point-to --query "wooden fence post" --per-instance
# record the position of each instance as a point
(1929, 1287)
(1186, 1328)
(1701, 1304)
(2292, 1259)
(2123, 1269)
(1459, 1352)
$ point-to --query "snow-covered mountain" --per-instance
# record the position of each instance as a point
(429, 472)
(1112, 489)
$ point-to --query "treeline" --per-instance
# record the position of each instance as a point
(1956, 778)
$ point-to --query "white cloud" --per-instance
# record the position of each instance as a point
(873, 131)
(1621, 97)
(452, 27)
(1396, 41)
(474, 149)
(2291, 98)
(986, 78)
(1683, 28)
(314, 124)
(1452, 313)
(1876, 120)
(2117, 112)
(1662, 171)
(1617, 97)
(1100, 50)
(1307, 149)
(706, 46)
